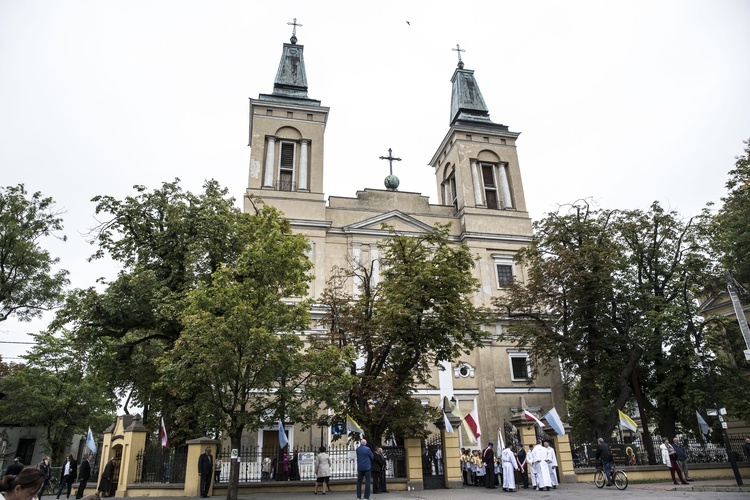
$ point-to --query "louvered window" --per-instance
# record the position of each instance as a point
(450, 197)
(286, 168)
(490, 186)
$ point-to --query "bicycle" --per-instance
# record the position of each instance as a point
(619, 478)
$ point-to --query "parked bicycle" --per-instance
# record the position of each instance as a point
(619, 478)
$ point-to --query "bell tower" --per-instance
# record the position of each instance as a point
(476, 166)
(286, 139)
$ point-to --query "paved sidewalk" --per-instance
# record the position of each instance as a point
(714, 490)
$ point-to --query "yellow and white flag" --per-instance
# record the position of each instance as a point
(627, 422)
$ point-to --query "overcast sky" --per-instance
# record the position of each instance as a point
(622, 102)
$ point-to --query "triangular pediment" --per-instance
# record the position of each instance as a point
(399, 221)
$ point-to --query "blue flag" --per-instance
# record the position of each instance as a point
(283, 441)
(90, 443)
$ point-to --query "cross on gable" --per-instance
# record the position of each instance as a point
(390, 159)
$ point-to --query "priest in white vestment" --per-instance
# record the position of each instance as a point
(543, 479)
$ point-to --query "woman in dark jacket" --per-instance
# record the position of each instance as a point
(68, 475)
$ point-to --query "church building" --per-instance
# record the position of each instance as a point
(480, 193)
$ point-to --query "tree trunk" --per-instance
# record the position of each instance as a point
(646, 433)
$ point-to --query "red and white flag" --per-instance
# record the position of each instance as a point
(473, 420)
(163, 434)
(530, 417)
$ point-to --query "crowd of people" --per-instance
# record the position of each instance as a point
(19, 480)
(513, 465)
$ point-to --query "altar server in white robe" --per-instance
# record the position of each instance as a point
(510, 464)
(543, 479)
(551, 463)
(531, 464)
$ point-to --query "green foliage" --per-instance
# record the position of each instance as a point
(167, 241)
(28, 285)
(55, 389)
(240, 355)
(418, 315)
(615, 296)
(731, 229)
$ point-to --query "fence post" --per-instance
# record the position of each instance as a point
(565, 457)
(134, 440)
(451, 459)
(192, 479)
(413, 449)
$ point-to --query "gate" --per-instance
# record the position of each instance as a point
(433, 475)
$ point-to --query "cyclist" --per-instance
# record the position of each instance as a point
(605, 456)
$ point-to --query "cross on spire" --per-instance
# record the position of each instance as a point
(390, 159)
(459, 50)
(294, 29)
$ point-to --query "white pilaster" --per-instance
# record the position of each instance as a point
(505, 187)
(477, 184)
(302, 183)
(270, 166)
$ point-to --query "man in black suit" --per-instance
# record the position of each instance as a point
(84, 474)
(206, 471)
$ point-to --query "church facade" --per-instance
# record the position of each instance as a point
(480, 193)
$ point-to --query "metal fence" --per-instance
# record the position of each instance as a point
(268, 464)
(156, 464)
(637, 451)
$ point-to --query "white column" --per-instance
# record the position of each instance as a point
(505, 187)
(270, 166)
(356, 260)
(303, 144)
(375, 259)
(477, 185)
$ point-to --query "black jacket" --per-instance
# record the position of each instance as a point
(14, 468)
(378, 463)
(603, 453)
(205, 464)
(521, 455)
(84, 474)
(73, 470)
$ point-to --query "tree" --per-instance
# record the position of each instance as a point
(419, 315)
(28, 285)
(569, 309)
(240, 355)
(167, 242)
(614, 294)
(731, 231)
(55, 389)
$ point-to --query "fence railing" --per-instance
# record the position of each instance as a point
(268, 464)
(637, 451)
(161, 465)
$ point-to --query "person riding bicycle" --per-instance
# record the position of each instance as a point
(605, 456)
